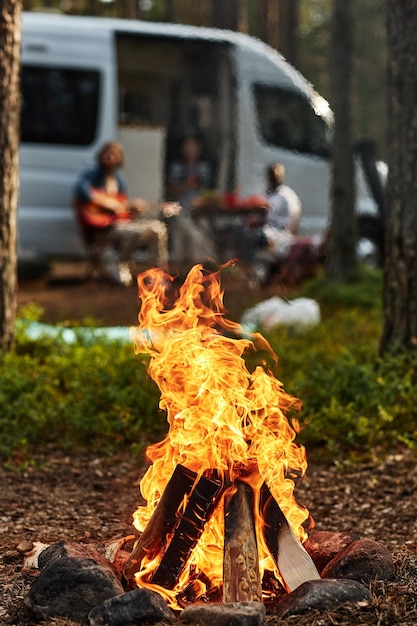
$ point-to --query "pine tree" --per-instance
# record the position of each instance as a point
(10, 40)
(400, 279)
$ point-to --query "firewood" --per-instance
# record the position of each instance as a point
(241, 578)
(162, 521)
(293, 561)
(201, 505)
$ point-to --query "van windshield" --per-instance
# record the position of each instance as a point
(286, 119)
(59, 105)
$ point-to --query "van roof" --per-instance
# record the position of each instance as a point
(41, 21)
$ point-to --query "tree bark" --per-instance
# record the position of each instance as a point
(400, 277)
(91, 6)
(188, 12)
(10, 40)
(341, 258)
(232, 14)
(170, 14)
(270, 22)
(288, 30)
(130, 9)
(279, 26)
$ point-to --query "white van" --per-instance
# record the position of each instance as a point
(87, 80)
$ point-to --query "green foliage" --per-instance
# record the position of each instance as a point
(93, 393)
(96, 393)
(369, 101)
(362, 294)
(355, 404)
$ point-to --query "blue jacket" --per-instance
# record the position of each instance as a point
(94, 178)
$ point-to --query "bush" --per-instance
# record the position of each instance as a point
(91, 393)
(96, 392)
(355, 404)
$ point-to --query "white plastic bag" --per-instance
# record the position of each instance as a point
(275, 311)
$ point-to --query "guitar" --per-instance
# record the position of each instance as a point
(95, 215)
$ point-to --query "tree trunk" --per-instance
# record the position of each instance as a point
(91, 6)
(130, 9)
(400, 278)
(170, 14)
(270, 22)
(188, 12)
(279, 26)
(10, 40)
(288, 30)
(341, 258)
(230, 14)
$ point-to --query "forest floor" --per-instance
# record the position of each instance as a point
(67, 293)
(84, 498)
(89, 499)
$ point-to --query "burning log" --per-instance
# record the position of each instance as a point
(293, 561)
(201, 505)
(163, 520)
(221, 415)
(241, 578)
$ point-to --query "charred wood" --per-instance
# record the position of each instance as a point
(162, 521)
(201, 504)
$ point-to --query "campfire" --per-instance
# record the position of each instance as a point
(220, 516)
(220, 536)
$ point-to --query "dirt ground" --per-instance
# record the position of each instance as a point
(91, 499)
(68, 293)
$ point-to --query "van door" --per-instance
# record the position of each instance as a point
(171, 87)
(67, 112)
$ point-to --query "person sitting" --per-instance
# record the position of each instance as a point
(188, 177)
(284, 210)
(261, 247)
(107, 217)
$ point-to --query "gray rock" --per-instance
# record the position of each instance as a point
(135, 607)
(324, 545)
(70, 588)
(321, 595)
(73, 550)
(363, 560)
(227, 614)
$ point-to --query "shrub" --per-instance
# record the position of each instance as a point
(355, 404)
(92, 392)
(96, 393)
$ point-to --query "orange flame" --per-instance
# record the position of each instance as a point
(221, 415)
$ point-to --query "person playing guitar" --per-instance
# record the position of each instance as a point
(106, 208)
(103, 206)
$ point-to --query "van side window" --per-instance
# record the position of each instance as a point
(287, 120)
(59, 105)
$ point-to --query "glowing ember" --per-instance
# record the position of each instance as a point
(225, 421)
